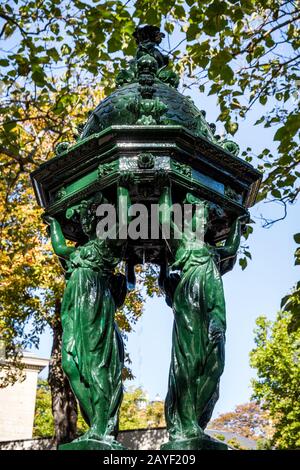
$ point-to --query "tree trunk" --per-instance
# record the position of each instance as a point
(64, 404)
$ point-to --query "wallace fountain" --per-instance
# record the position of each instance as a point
(146, 145)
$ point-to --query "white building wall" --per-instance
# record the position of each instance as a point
(17, 402)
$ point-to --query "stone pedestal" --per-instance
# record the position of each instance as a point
(203, 443)
(92, 444)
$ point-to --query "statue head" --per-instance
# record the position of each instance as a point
(85, 213)
(147, 38)
(148, 33)
(203, 209)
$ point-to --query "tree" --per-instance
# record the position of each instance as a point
(155, 414)
(43, 425)
(43, 417)
(245, 51)
(31, 277)
(235, 444)
(276, 358)
(291, 302)
(137, 412)
(248, 420)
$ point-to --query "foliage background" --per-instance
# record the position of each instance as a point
(137, 412)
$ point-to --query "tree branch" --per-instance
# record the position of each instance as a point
(253, 43)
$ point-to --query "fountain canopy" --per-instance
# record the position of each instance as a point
(144, 126)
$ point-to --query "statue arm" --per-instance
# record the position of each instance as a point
(165, 212)
(58, 240)
(122, 206)
(165, 204)
(123, 203)
(233, 241)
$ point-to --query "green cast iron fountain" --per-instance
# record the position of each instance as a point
(146, 143)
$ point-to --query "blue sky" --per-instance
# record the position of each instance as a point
(250, 293)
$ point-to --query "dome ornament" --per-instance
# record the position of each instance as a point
(231, 147)
(61, 147)
(148, 38)
(145, 161)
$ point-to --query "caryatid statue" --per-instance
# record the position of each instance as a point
(146, 143)
(195, 292)
(92, 346)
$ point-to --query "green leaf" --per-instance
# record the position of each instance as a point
(192, 32)
(114, 44)
(169, 27)
(243, 263)
(227, 74)
(9, 126)
(222, 57)
(276, 193)
(214, 25)
(269, 41)
(55, 28)
(66, 49)
(297, 238)
(231, 127)
(179, 11)
(38, 77)
(53, 54)
(259, 121)
(263, 99)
